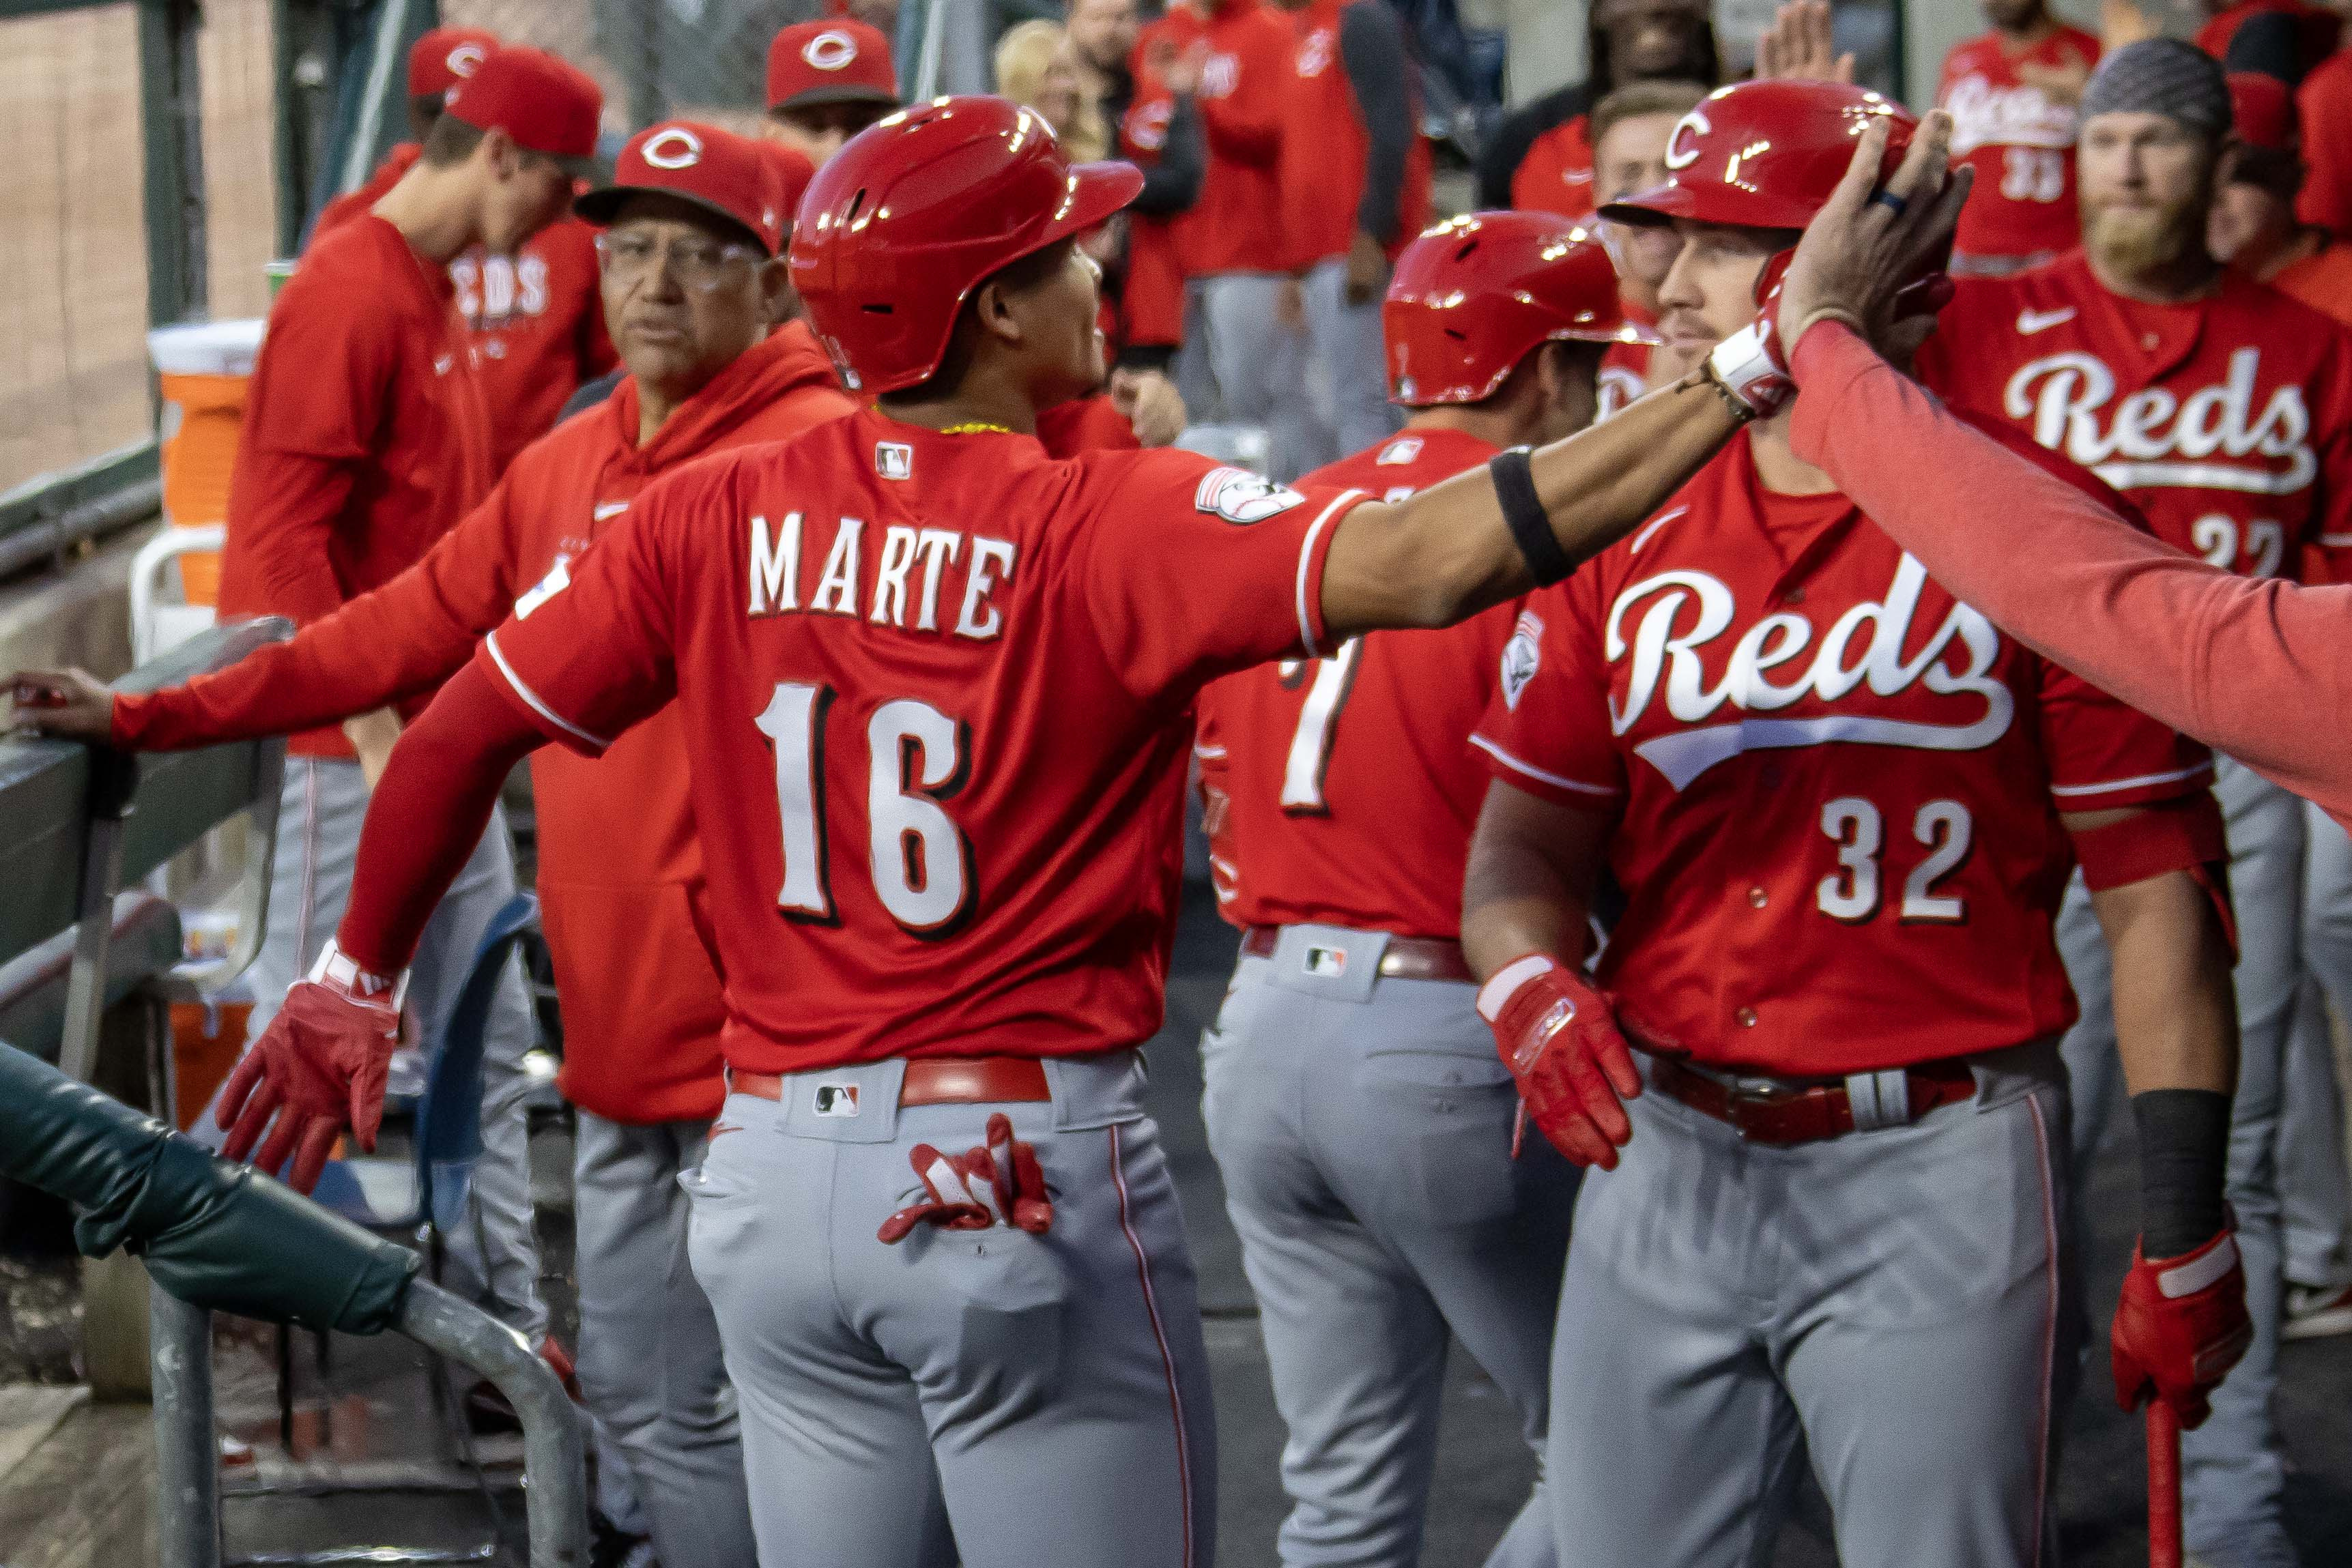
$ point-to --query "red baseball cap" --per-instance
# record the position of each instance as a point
(2262, 111)
(446, 56)
(792, 171)
(716, 170)
(547, 106)
(834, 60)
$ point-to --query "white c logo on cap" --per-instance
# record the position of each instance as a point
(463, 59)
(674, 148)
(830, 51)
(1677, 155)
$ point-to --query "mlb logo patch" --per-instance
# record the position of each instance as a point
(836, 1100)
(894, 460)
(1326, 963)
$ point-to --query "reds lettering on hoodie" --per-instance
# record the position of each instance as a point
(2228, 419)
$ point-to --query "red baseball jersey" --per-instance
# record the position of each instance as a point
(620, 869)
(1236, 226)
(1837, 789)
(1556, 176)
(1343, 789)
(2019, 139)
(2324, 104)
(2228, 419)
(538, 322)
(937, 691)
(1624, 377)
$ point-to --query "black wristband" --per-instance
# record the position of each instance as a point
(2184, 1157)
(1523, 514)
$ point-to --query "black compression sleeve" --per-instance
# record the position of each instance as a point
(1371, 51)
(2184, 1153)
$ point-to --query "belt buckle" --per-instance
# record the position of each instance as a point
(1744, 1097)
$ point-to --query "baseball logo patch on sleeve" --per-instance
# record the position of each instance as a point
(1242, 498)
(1522, 656)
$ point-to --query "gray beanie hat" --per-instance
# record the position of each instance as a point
(2162, 75)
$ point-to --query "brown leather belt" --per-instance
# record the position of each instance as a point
(1406, 958)
(1784, 1111)
(936, 1080)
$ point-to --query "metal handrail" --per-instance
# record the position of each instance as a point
(188, 1464)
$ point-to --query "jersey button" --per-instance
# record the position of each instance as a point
(2148, 341)
(1747, 1017)
(1755, 898)
(1794, 596)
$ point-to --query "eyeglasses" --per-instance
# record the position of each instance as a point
(696, 264)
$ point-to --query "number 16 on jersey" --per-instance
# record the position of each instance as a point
(915, 758)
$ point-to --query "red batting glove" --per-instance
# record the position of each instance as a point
(319, 1068)
(999, 1184)
(2180, 1327)
(1556, 1035)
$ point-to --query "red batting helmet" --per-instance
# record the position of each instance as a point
(1472, 296)
(915, 213)
(1765, 154)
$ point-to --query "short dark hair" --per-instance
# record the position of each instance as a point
(425, 112)
(451, 141)
(1019, 275)
(1635, 100)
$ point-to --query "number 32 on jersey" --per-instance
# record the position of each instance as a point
(916, 757)
(1852, 891)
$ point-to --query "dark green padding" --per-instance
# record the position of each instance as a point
(213, 1234)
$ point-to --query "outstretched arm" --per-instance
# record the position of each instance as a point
(2258, 668)
(321, 1064)
(1448, 552)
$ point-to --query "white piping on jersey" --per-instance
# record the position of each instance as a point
(1209, 753)
(1305, 556)
(2203, 477)
(1508, 760)
(1655, 524)
(2174, 777)
(522, 690)
(2335, 541)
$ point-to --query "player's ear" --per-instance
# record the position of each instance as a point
(996, 312)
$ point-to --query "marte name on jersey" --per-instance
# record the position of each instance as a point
(1984, 115)
(915, 579)
(1682, 613)
(2156, 437)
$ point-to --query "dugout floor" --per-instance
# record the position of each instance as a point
(82, 1497)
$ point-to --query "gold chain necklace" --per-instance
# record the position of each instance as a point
(976, 427)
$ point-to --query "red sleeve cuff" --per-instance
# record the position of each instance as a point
(2171, 835)
(1313, 551)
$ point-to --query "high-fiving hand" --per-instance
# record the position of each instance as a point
(1871, 257)
(319, 1067)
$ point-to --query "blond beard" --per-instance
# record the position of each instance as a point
(2139, 243)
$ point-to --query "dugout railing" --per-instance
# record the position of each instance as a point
(76, 825)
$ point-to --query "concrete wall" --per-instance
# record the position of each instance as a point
(80, 616)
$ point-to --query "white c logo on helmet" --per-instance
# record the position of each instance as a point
(674, 148)
(1677, 155)
(463, 59)
(830, 51)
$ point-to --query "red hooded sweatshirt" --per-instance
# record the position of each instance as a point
(620, 875)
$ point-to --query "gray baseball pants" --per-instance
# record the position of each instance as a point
(1258, 367)
(650, 1366)
(2313, 1199)
(494, 1261)
(2233, 1473)
(992, 1398)
(1363, 1126)
(1351, 366)
(1890, 1296)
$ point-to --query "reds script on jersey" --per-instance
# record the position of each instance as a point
(1342, 789)
(2019, 140)
(2228, 419)
(937, 688)
(1837, 787)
